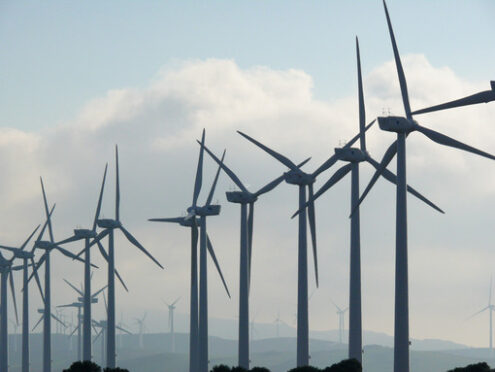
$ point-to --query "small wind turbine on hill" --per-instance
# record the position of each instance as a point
(171, 309)
(491, 309)
(340, 314)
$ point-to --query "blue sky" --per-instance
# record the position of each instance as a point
(57, 55)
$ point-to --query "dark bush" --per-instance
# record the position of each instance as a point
(479, 367)
(259, 369)
(116, 369)
(85, 366)
(305, 369)
(347, 365)
(221, 368)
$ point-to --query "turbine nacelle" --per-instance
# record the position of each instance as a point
(84, 233)
(23, 254)
(44, 244)
(397, 124)
(207, 210)
(298, 177)
(107, 223)
(351, 154)
(81, 300)
(240, 197)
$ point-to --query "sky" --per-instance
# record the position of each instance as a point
(78, 78)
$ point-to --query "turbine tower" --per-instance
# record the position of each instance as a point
(26, 256)
(198, 350)
(403, 126)
(245, 199)
(109, 226)
(354, 156)
(171, 309)
(491, 309)
(87, 235)
(142, 329)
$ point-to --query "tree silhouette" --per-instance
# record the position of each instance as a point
(479, 367)
(85, 366)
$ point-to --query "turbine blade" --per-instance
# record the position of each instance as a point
(481, 97)
(214, 185)
(442, 139)
(99, 291)
(177, 300)
(226, 169)
(334, 304)
(336, 177)
(11, 249)
(215, 261)
(102, 251)
(123, 330)
(490, 294)
(121, 280)
(362, 112)
(29, 238)
(74, 287)
(199, 172)
(12, 290)
(134, 241)
(270, 186)
(171, 219)
(40, 235)
(68, 240)
(100, 198)
(105, 302)
(478, 312)
(276, 155)
(68, 254)
(391, 177)
(38, 265)
(37, 323)
(37, 279)
(117, 185)
(46, 211)
(387, 158)
(97, 239)
(398, 64)
(312, 227)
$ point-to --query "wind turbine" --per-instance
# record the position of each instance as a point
(340, 313)
(80, 305)
(491, 309)
(297, 177)
(171, 309)
(42, 312)
(48, 246)
(109, 226)
(245, 199)
(198, 331)
(6, 269)
(142, 329)
(481, 97)
(403, 126)
(87, 235)
(353, 157)
(26, 256)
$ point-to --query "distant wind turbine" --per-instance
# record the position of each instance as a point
(491, 309)
(340, 314)
(142, 329)
(403, 126)
(171, 309)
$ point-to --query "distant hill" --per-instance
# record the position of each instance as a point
(278, 354)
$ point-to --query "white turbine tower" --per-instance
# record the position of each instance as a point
(340, 314)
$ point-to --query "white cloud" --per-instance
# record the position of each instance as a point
(155, 128)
